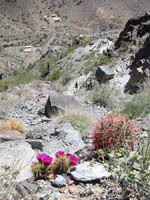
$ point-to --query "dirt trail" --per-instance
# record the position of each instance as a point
(71, 90)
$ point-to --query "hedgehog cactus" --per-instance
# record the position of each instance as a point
(63, 162)
(45, 167)
(61, 165)
(39, 169)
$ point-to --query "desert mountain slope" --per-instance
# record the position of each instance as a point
(95, 15)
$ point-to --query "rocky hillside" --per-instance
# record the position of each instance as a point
(74, 100)
(27, 15)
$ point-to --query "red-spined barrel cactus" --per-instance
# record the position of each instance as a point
(112, 131)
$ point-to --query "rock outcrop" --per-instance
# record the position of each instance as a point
(133, 31)
(18, 155)
(104, 73)
(58, 103)
(138, 27)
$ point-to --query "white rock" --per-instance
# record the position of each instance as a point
(89, 172)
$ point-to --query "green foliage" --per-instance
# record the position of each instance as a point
(65, 52)
(80, 120)
(35, 133)
(139, 105)
(19, 76)
(53, 61)
(43, 67)
(7, 179)
(94, 61)
(124, 46)
(133, 168)
(66, 77)
(113, 131)
(104, 95)
(130, 167)
(54, 76)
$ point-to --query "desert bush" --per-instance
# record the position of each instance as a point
(124, 46)
(54, 76)
(7, 187)
(65, 78)
(43, 68)
(104, 95)
(58, 86)
(35, 133)
(132, 168)
(140, 103)
(18, 76)
(80, 119)
(113, 131)
(94, 61)
(12, 124)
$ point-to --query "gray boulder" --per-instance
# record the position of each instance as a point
(19, 156)
(104, 73)
(58, 103)
(67, 139)
(89, 172)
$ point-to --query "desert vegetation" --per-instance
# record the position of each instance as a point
(118, 145)
(79, 119)
(94, 61)
(12, 124)
(18, 76)
(139, 105)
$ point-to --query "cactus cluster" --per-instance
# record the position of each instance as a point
(46, 165)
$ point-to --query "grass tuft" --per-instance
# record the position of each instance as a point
(12, 124)
(81, 120)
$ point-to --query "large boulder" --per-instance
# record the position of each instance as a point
(104, 73)
(66, 139)
(18, 155)
(58, 103)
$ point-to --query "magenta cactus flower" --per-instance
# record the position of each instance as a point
(40, 156)
(47, 160)
(59, 153)
(68, 154)
(74, 160)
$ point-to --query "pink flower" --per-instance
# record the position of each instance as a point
(40, 156)
(46, 160)
(59, 153)
(74, 160)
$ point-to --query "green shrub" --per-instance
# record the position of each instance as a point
(124, 46)
(43, 67)
(35, 133)
(79, 119)
(139, 105)
(113, 131)
(94, 61)
(18, 76)
(54, 76)
(104, 95)
(66, 77)
(132, 168)
(7, 179)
